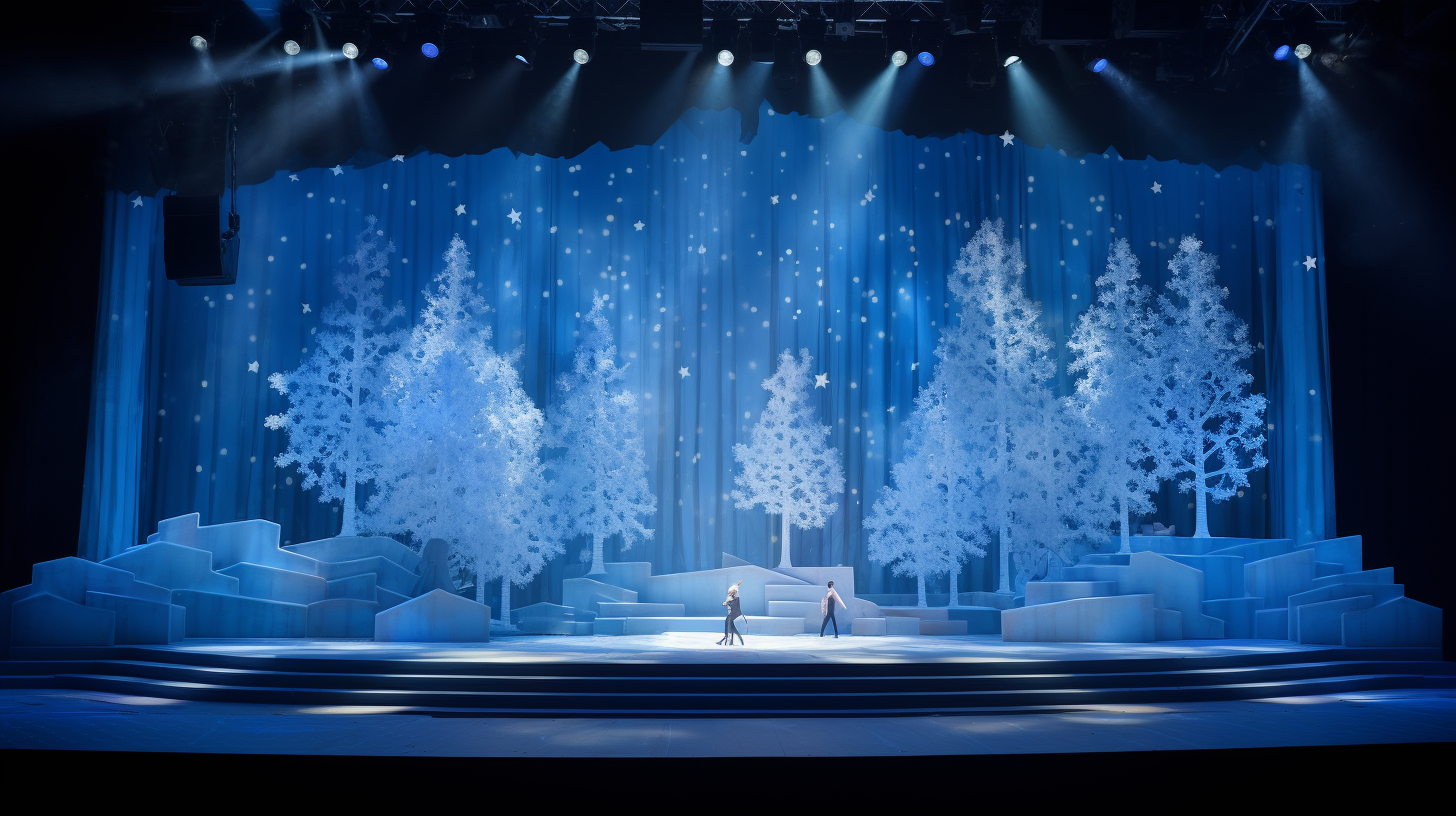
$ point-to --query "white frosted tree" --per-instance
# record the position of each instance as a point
(787, 465)
(334, 394)
(600, 483)
(1014, 436)
(461, 457)
(1114, 348)
(1212, 426)
(926, 523)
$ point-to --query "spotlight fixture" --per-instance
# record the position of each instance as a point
(580, 56)
(725, 57)
(380, 63)
(1010, 61)
(813, 57)
(1282, 52)
(899, 58)
(430, 50)
(526, 40)
(351, 50)
(1098, 65)
(925, 58)
(582, 30)
(897, 42)
(198, 42)
(1303, 50)
(291, 48)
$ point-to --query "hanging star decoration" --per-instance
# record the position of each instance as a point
(293, 177)
(869, 195)
(459, 209)
(1157, 187)
(821, 380)
(136, 202)
(253, 366)
(338, 170)
(1309, 263)
(514, 216)
(307, 308)
(773, 199)
(683, 372)
(1006, 139)
(914, 365)
(639, 225)
(399, 157)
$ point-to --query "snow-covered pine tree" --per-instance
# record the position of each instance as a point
(998, 375)
(461, 459)
(926, 523)
(600, 483)
(1114, 347)
(1213, 432)
(335, 392)
(787, 466)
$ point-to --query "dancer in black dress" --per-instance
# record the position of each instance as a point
(735, 609)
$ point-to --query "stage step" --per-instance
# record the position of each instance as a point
(708, 689)
(657, 625)
(639, 610)
(1040, 592)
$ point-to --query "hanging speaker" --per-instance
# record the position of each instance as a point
(195, 250)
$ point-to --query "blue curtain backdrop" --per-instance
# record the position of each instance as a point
(823, 234)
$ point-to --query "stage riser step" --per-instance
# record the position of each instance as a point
(737, 704)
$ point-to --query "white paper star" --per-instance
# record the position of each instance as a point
(459, 209)
(136, 202)
(870, 195)
(338, 170)
(821, 380)
(639, 225)
(1157, 187)
(773, 199)
(914, 366)
(399, 157)
(514, 216)
(702, 249)
(307, 308)
(253, 366)
(683, 372)
(1309, 263)
(293, 177)
(1006, 139)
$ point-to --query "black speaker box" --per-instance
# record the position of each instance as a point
(193, 249)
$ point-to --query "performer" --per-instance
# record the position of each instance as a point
(827, 607)
(735, 609)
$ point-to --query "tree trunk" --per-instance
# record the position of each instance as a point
(351, 450)
(1200, 489)
(350, 526)
(1003, 554)
(480, 588)
(505, 611)
(920, 590)
(955, 580)
(784, 541)
(1126, 536)
(598, 566)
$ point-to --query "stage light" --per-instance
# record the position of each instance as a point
(526, 41)
(725, 57)
(351, 50)
(925, 58)
(582, 38)
(430, 50)
(812, 56)
(580, 56)
(899, 58)
(1303, 50)
(290, 47)
(380, 63)
(1010, 61)
(1097, 66)
(1281, 52)
(198, 42)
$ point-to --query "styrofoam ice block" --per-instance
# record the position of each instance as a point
(342, 618)
(756, 625)
(1118, 619)
(609, 626)
(586, 593)
(1323, 622)
(254, 541)
(1105, 559)
(943, 627)
(71, 578)
(701, 593)
(1347, 551)
(1173, 586)
(631, 575)
(843, 578)
(979, 620)
(211, 615)
(1397, 622)
(1380, 593)
(1325, 569)
(1168, 624)
(388, 575)
(1223, 575)
(1257, 550)
(258, 581)
(387, 599)
(435, 617)
(1384, 575)
(353, 548)
(1237, 615)
(140, 621)
(1184, 545)
(554, 626)
(901, 625)
(797, 592)
(867, 626)
(996, 600)
(551, 611)
(44, 619)
(639, 610)
(1272, 624)
(1087, 572)
(808, 610)
(1048, 591)
(173, 566)
(1275, 579)
(919, 612)
(359, 587)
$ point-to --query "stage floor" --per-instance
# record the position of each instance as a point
(699, 648)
